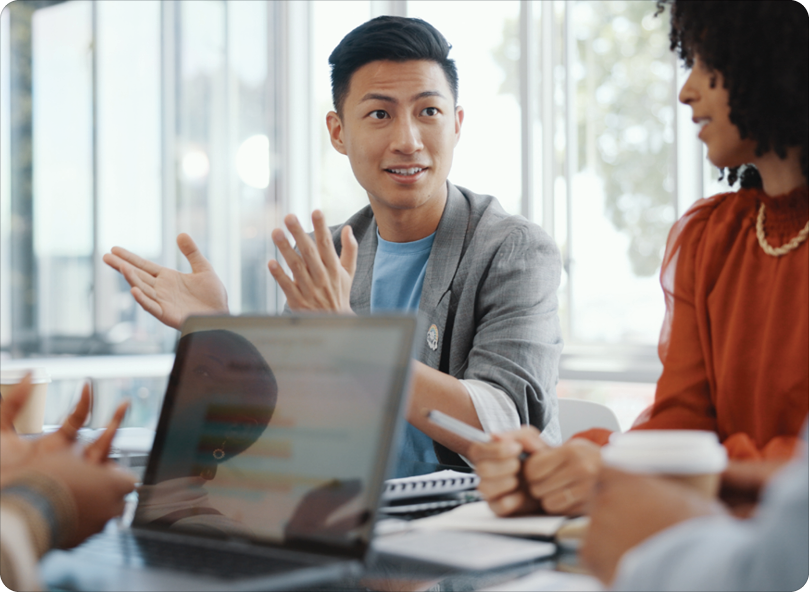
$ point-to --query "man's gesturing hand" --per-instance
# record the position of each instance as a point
(320, 279)
(167, 294)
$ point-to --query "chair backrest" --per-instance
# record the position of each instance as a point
(576, 416)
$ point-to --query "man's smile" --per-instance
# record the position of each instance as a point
(406, 174)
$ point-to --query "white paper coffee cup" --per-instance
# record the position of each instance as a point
(32, 415)
(693, 457)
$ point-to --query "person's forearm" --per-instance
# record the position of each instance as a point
(431, 389)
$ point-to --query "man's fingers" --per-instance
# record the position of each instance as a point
(494, 469)
(324, 242)
(492, 489)
(149, 305)
(190, 251)
(98, 451)
(348, 254)
(500, 449)
(508, 504)
(313, 263)
(294, 260)
(135, 278)
(529, 439)
(286, 284)
(132, 259)
(13, 402)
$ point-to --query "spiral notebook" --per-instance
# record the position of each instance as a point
(428, 493)
(439, 483)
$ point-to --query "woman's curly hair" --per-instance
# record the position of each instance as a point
(761, 48)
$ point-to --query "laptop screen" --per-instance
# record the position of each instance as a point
(278, 429)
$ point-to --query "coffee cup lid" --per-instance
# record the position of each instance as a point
(38, 375)
(676, 452)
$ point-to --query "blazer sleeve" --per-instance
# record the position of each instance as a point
(518, 342)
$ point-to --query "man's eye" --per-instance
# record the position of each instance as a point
(430, 111)
(379, 114)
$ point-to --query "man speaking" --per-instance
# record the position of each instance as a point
(484, 280)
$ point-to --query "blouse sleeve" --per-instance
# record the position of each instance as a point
(683, 394)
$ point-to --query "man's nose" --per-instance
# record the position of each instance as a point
(406, 136)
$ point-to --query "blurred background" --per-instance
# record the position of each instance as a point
(128, 122)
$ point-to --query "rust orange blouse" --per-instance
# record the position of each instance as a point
(735, 340)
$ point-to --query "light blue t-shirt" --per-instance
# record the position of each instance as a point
(398, 277)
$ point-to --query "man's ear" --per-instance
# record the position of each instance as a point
(458, 123)
(335, 125)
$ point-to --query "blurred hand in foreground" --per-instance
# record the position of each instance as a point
(629, 508)
(96, 485)
(16, 454)
(743, 482)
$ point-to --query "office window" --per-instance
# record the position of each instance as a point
(487, 157)
(135, 121)
(622, 179)
(62, 165)
(128, 164)
(338, 193)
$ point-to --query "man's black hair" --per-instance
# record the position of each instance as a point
(762, 51)
(393, 38)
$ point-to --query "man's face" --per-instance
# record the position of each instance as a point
(399, 128)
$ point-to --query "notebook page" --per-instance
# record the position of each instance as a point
(478, 516)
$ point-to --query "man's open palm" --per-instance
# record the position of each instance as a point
(167, 294)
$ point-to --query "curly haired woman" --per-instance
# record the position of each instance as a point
(735, 341)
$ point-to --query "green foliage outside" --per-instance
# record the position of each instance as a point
(624, 75)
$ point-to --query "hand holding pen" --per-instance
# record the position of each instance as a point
(520, 473)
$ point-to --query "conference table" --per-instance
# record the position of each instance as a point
(562, 571)
(384, 572)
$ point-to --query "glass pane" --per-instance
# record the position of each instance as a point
(340, 193)
(248, 60)
(129, 162)
(487, 158)
(5, 183)
(63, 168)
(202, 134)
(622, 202)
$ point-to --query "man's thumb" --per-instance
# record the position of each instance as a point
(189, 249)
(348, 253)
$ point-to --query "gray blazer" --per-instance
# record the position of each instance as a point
(490, 290)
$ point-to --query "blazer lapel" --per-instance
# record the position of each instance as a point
(361, 286)
(447, 247)
(443, 263)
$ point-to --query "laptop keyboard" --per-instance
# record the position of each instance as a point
(201, 560)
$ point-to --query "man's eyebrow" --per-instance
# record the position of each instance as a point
(428, 93)
(378, 97)
(389, 99)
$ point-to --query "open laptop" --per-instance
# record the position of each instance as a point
(269, 458)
